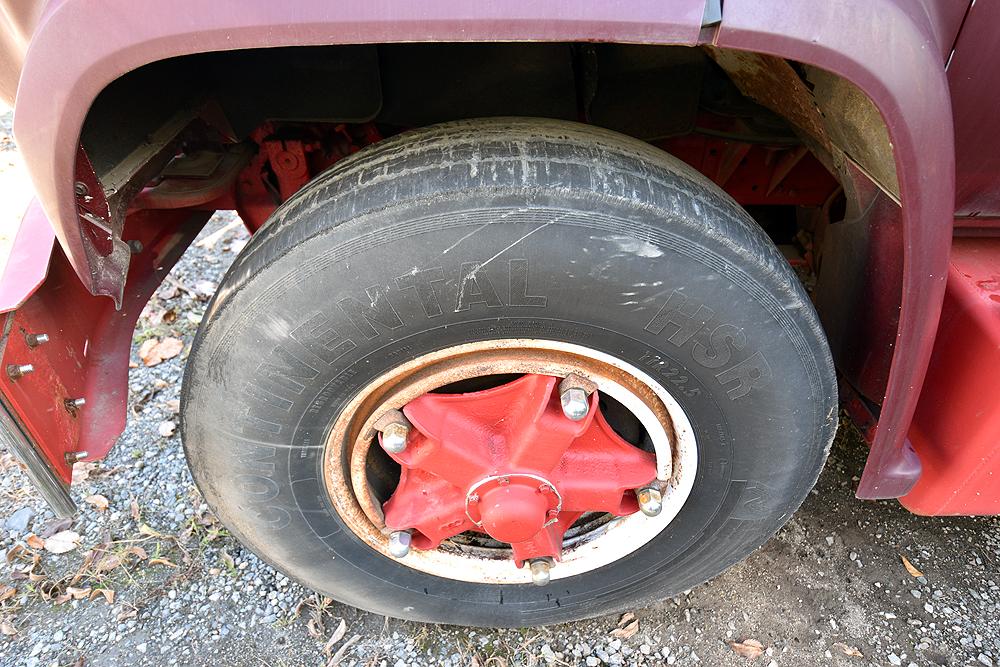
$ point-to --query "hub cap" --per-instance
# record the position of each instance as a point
(480, 480)
(508, 462)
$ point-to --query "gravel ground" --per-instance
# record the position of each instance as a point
(150, 577)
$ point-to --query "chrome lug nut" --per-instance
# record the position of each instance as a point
(399, 543)
(394, 437)
(540, 571)
(574, 403)
(650, 500)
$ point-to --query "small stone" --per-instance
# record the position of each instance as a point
(985, 659)
(645, 649)
(895, 659)
(915, 593)
(141, 648)
(18, 521)
(592, 661)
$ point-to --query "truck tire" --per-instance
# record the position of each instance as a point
(497, 249)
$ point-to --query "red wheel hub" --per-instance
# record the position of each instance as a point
(508, 462)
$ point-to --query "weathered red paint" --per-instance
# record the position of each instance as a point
(28, 261)
(956, 431)
(909, 88)
(507, 462)
(87, 353)
(891, 49)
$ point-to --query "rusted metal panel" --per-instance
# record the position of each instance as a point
(884, 52)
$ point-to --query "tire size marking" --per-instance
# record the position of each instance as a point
(687, 322)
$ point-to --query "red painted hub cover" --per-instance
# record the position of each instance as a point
(507, 462)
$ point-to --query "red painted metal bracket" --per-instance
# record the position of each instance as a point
(65, 352)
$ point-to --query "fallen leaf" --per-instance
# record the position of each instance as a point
(34, 541)
(77, 593)
(153, 351)
(848, 650)
(133, 364)
(162, 561)
(209, 241)
(99, 502)
(62, 542)
(228, 561)
(337, 635)
(173, 406)
(107, 563)
(748, 648)
(914, 572)
(314, 626)
(133, 508)
(7, 592)
(107, 593)
(144, 529)
(82, 471)
(166, 429)
(138, 551)
(627, 627)
(56, 526)
(126, 614)
(342, 651)
(7, 628)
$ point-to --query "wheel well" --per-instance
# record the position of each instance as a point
(804, 151)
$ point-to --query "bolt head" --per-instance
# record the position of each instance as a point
(540, 571)
(650, 500)
(394, 437)
(574, 403)
(399, 543)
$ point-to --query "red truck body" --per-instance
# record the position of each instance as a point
(924, 390)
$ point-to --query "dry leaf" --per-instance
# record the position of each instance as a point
(7, 628)
(133, 508)
(62, 542)
(99, 502)
(627, 627)
(144, 529)
(56, 526)
(848, 650)
(82, 471)
(748, 648)
(7, 592)
(34, 541)
(162, 561)
(914, 572)
(342, 651)
(109, 595)
(209, 241)
(314, 627)
(337, 635)
(166, 429)
(107, 563)
(77, 593)
(153, 351)
(138, 551)
(173, 406)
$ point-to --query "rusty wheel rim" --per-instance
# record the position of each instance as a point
(599, 542)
